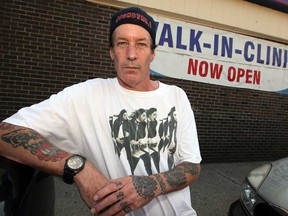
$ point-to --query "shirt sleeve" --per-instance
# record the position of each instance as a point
(189, 149)
(53, 118)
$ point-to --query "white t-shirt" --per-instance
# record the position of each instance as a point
(111, 126)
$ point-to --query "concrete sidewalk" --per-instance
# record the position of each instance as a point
(218, 186)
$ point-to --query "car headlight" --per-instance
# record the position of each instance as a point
(257, 176)
(249, 188)
(248, 197)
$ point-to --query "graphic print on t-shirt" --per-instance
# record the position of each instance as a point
(140, 135)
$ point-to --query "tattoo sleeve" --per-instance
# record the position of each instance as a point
(177, 176)
(33, 142)
(161, 183)
(181, 176)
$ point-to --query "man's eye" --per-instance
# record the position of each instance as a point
(142, 45)
(122, 44)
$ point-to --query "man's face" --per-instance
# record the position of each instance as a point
(132, 55)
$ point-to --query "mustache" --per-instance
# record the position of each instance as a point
(128, 64)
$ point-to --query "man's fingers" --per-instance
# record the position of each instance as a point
(107, 197)
(110, 188)
(120, 208)
(125, 207)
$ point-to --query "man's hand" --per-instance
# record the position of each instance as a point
(124, 195)
(127, 194)
(89, 181)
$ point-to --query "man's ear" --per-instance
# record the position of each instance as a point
(111, 53)
(152, 56)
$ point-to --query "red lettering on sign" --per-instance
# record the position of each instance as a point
(204, 68)
(247, 76)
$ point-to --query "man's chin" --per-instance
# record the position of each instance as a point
(128, 81)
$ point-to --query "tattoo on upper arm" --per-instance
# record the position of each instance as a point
(34, 143)
(145, 186)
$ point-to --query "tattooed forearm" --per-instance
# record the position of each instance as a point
(192, 169)
(177, 176)
(5, 126)
(161, 183)
(145, 186)
(34, 143)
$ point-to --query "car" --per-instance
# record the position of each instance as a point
(264, 191)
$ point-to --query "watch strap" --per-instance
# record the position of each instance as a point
(68, 175)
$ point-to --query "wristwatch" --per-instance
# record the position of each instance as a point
(73, 165)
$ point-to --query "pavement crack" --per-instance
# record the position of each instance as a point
(231, 180)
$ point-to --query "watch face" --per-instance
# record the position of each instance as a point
(75, 162)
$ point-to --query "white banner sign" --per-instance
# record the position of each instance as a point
(202, 54)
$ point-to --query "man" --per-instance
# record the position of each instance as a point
(58, 135)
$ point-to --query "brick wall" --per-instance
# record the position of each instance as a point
(48, 45)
